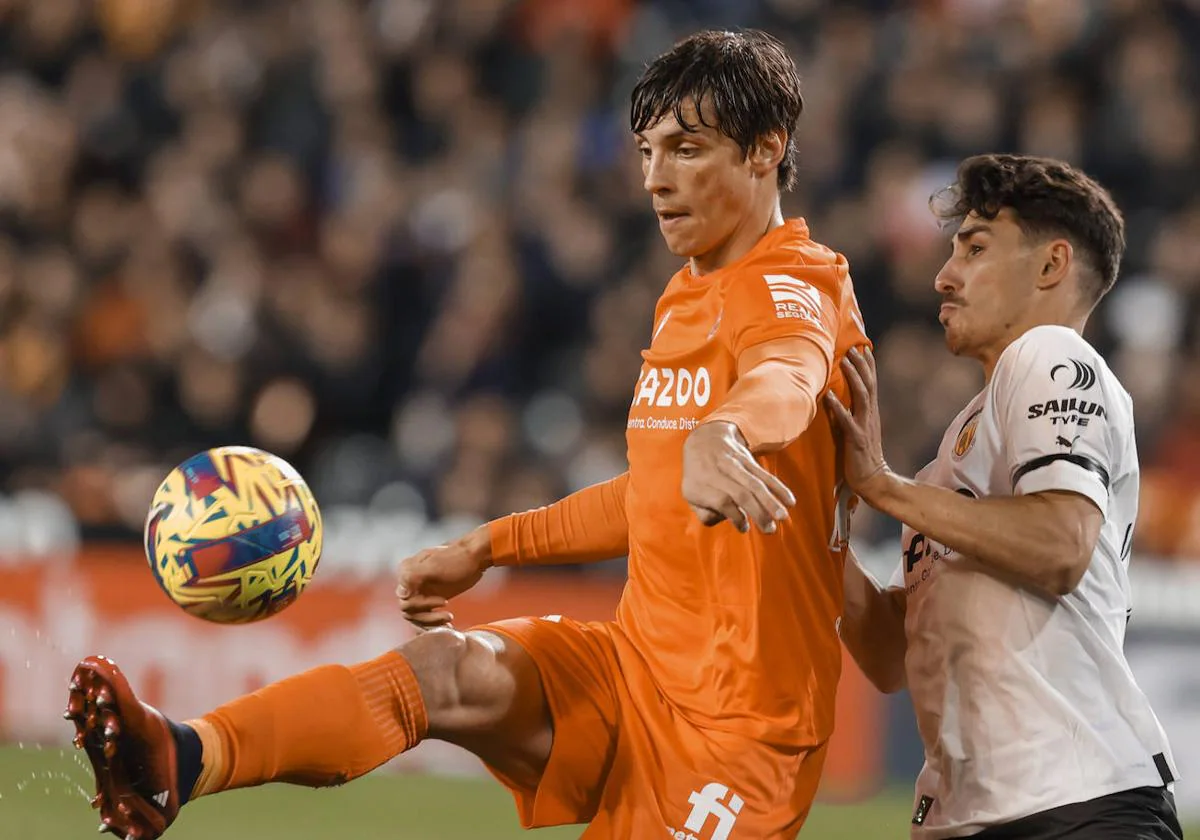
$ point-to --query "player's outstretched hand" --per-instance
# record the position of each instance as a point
(721, 480)
(426, 581)
(861, 436)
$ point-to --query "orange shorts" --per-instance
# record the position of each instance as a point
(626, 762)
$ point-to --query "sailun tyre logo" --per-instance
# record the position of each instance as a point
(1084, 375)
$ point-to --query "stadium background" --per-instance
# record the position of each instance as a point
(403, 243)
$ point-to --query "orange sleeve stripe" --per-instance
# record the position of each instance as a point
(584, 527)
(775, 399)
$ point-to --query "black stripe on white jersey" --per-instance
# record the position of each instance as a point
(1075, 458)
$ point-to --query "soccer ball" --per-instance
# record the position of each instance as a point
(233, 535)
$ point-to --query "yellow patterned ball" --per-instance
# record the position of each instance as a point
(233, 535)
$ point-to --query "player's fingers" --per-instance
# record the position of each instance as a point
(729, 509)
(865, 369)
(431, 619)
(778, 490)
(711, 502)
(415, 574)
(405, 588)
(707, 516)
(858, 391)
(755, 501)
(872, 373)
(840, 413)
(421, 603)
(741, 462)
(832, 404)
(408, 578)
(770, 496)
(851, 363)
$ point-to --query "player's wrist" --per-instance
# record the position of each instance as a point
(726, 427)
(879, 487)
(478, 545)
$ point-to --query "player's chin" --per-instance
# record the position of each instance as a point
(679, 246)
(680, 241)
(955, 341)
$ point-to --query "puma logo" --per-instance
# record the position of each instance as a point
(1066, 444)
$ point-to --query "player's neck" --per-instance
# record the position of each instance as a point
(740, 242)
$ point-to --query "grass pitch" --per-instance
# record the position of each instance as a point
(44, 795)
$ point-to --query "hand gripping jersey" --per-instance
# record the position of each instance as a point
(1025, 702)
(738, 631)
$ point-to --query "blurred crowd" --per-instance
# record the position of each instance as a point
(404, 243)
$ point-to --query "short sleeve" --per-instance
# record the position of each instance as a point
(1055, 405)
(788, 302)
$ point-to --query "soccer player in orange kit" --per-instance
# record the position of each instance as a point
(704, 709)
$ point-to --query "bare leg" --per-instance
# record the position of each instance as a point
(482, 692)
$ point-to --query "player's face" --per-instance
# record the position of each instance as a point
(987, 285)
(703, 188)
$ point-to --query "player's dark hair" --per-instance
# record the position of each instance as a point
(747, 78)
(1050, 198)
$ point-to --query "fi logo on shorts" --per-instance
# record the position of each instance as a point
(709, 802)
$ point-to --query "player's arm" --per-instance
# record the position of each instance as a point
(584, 527)
(775, 397)
(1043, 540)
(872, 626)
(1043, 537)
(783, 360)
(771, 404)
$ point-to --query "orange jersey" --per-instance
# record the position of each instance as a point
(738, 631)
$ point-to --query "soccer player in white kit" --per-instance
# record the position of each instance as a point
(1006, 619)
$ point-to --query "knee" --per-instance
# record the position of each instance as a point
(464, 678)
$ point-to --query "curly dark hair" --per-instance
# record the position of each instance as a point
(1050, 198)
(749, 79)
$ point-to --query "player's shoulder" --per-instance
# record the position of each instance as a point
(790, 256)
(1058, 355)
(1046, 344)
(1050, 338)
(796, 250)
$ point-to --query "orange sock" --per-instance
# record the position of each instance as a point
(323, 727)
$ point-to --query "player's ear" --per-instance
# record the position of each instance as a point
(1057, 257)
(768, 151)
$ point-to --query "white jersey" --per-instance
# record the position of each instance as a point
(1026, 702)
